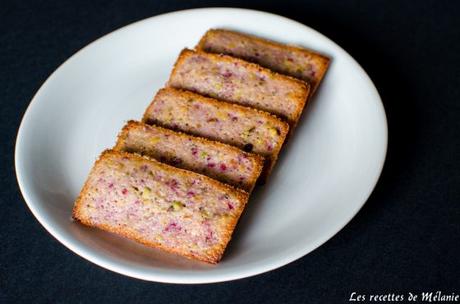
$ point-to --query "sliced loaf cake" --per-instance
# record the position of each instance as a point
(282, 58)
(238, 81)
(160, 206)
(223, 162)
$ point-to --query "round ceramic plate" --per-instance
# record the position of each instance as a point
(324, 176)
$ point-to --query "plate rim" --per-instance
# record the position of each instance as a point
(82, 252)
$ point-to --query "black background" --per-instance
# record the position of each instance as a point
(407, 236)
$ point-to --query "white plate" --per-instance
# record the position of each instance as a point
(324, 176)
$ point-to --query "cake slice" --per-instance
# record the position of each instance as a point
(238, 81)
(223, 162)
(249, 129)
(286, 59)
(160, 206)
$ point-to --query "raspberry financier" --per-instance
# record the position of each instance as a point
(238, 81)
(285, 59)
(223, 162)
(160, 206)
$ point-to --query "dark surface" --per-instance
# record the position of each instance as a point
(407, 236)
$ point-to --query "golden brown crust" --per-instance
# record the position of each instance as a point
(258, 159)
(321, 61)
(122, 135)
(211, 256)
(284, 127)
(301, 95)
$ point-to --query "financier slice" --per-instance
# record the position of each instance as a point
(238, 81)
(160, 206)
(223, 162)
(285, 59)
(249, 129)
